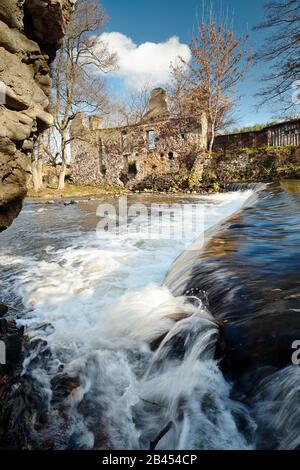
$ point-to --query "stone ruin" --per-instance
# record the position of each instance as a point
(129, 155)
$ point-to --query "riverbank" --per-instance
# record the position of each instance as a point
(77, 191)
(74, 191)
(214, 174)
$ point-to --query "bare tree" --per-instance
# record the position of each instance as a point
(78, 73)
(281, 50)
(185, 102)
(37, 163)
(219, 62)
(130, 110)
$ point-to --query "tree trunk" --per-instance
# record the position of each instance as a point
(35, 178)
(63, 170)
(39, 170)
(62, 176)
(40, 162)
(204, 131)
(212, 140)
(37, 165)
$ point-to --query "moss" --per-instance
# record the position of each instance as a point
(210, 175)
(254, 164)
(193, 182)
(256, 152)
(167, 182)
(216, 187)
(289, 167)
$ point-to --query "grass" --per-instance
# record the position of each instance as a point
(73, 190)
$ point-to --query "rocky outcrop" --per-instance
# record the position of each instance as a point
(11, 342)
(30, 33)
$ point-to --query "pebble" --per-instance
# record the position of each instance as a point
(70, 203)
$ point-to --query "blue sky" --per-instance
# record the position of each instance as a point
(157, 21)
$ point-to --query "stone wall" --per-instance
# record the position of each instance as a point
(252, 165)
(122, 156)
(30, 33)
(128, 156)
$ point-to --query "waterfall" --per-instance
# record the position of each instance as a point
(115, 360)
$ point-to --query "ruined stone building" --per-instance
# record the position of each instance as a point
(158, 145)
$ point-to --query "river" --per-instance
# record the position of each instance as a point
(119, 359)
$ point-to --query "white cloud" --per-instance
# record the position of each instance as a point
(147, 63)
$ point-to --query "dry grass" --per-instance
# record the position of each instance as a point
(72, 190)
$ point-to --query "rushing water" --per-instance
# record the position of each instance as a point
(249, 271)
(115, 360)
(129, 349)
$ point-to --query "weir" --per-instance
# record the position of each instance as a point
(250, 279)
(203, 361)
(114, 359)
(248, 276)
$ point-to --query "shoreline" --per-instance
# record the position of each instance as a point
(76, 192)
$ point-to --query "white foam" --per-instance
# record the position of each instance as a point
(104, 299)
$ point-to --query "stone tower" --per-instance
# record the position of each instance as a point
(158, 106)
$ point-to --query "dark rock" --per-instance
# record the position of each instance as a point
(10, 207)
(75, 442)
(47, 328)
(12, 406)
(62, 386)
(48, 445)
(23, 408)
(13, 348)
(12, 336)
(70, 203)
(39, 353)
(3, 310)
